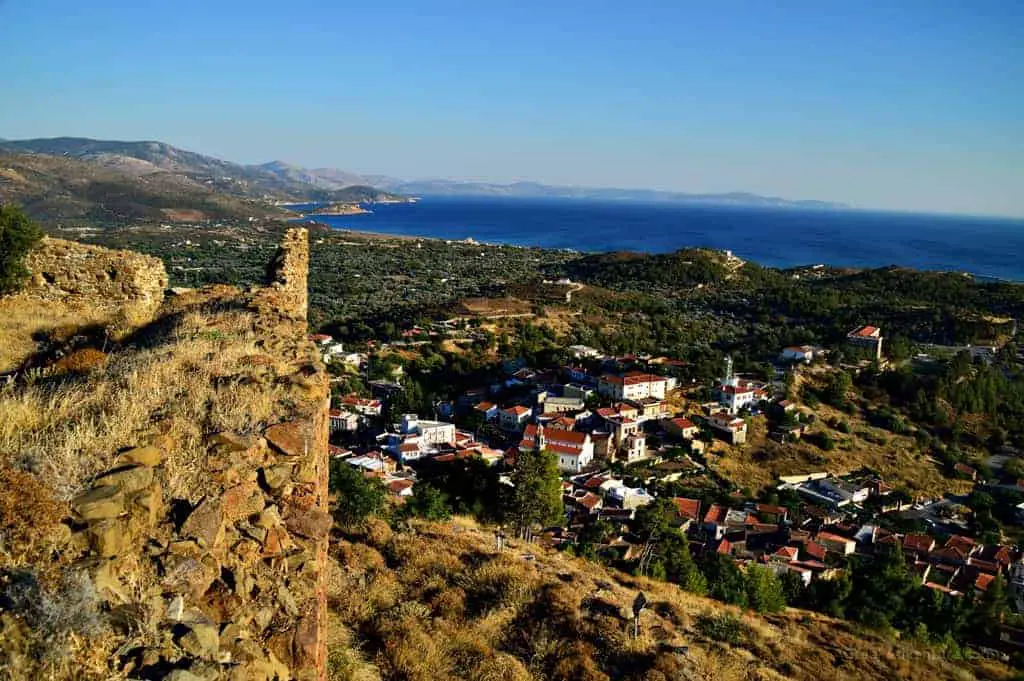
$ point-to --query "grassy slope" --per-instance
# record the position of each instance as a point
(442, 603)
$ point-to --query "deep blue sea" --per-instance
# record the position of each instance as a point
(778, 237)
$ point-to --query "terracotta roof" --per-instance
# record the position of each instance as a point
(983, 581)
(716, 514)
(595, 482)
(687, 508)
(736, 389)
(828, 536)
(320, 338)
(723, 546)
(409, 447)
(965, 544)
(788, 552)
(774, 510)
(518, 410)
(563, 449)
(683, 423)
(335, 412)
(485, 406)
(589, 501)
(918, 542)
(865, 331)
(815, 550)
(397, 486)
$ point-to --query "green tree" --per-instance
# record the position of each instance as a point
(536, 495)
(677, 561)
(989, 611)
(18, 235)
(725, 581)
(652, 520)
(764, 590)
(427, 502)
(358, 497)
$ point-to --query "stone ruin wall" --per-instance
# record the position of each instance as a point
(234, 583)
(122, 282)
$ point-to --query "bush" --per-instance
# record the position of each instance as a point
(18, 235)
(725, 628)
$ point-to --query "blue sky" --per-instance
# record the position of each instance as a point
(912, 105)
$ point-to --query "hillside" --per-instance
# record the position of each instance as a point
(60, 190)
(442, 602)
(277, 179)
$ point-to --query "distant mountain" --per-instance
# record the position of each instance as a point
(276, 180)
(285, 181)
(537, 190)
(112, 190)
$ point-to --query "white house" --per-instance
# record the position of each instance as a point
(736, 394)
(429, 432)
(636, 447)
(514, 418)
(634, 385)
(343, 421)
(798, 353)
(575, 451)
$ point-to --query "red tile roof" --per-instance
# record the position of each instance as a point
(918, 542)
(865, 331)
(788, 552)
(815, 550)
(715, 514)
(983, 581)
(828, 536)
(683, 423)
(484, 406)
(724, 546)
(518, 410)
(397, 486)
(687, 508)
(589, 501)
(965, 544)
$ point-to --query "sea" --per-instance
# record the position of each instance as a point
(988, 248)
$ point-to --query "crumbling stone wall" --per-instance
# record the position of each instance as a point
(232, 583)
(119, 281)
(288, 273)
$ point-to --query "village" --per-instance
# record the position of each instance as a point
(627, 430)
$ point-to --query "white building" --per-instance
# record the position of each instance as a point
(798, 353)
(430, 433)
(575, 451)
(634, 385)
(635, 447)
(514, 418)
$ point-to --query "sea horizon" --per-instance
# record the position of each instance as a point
(779, 236)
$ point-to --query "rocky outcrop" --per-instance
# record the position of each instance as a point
(121, 281)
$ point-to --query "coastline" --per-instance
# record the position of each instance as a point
(839, 239)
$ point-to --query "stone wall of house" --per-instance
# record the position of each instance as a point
(124, 282)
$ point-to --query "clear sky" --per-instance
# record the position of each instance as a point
(901, 105)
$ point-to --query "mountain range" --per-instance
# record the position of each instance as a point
(289, 182)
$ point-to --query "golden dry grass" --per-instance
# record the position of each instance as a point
(442, 603)
(23, 318)
(761, 461)
(191, 381)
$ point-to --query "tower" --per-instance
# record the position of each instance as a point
(727, 379)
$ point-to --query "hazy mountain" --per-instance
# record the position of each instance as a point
(538, 190)
(282, 180)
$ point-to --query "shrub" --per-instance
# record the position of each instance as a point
(725, 628)
(28, 509)
(18, 235)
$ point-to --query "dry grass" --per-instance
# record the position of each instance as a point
(189, 380)
(441, 603)
(761, 461)
(24, 318)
